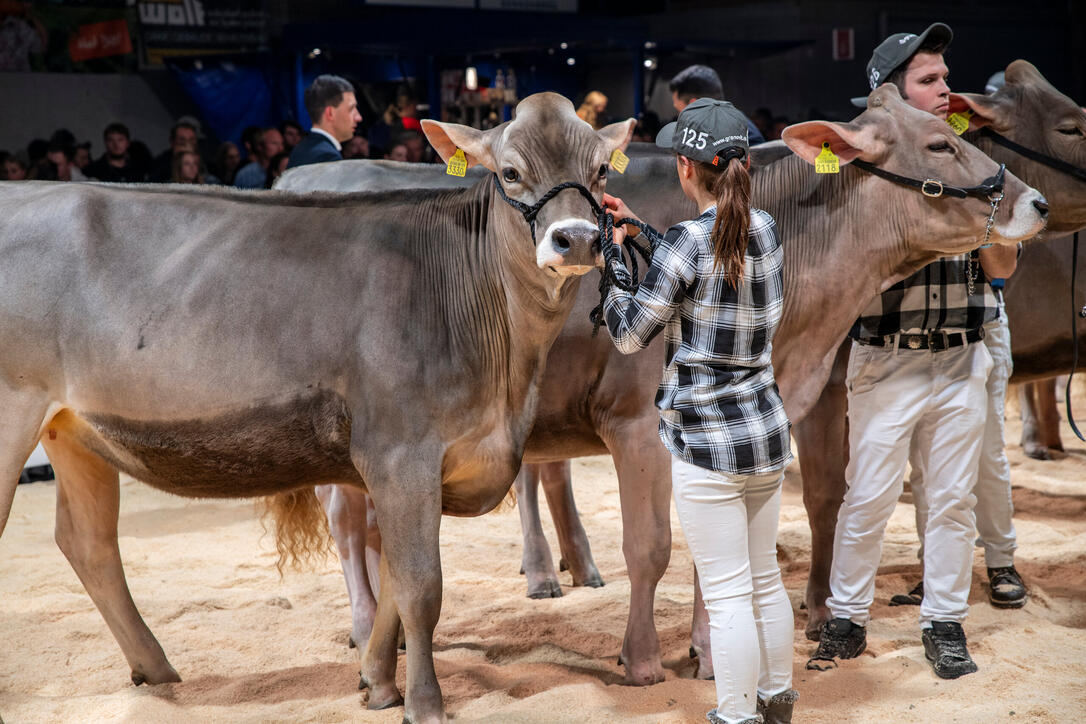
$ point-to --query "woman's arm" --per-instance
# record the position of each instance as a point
(633, 320)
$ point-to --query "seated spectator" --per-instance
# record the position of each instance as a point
(61, 158)
(82, 156)
(227, 162)
(187, 169)
(408, 111)
(14, 166)
(276, 167)
(331, 104)
(591, 111)
(270, 145)
(648, 125)
(779, 124)
(120, 163)
(35, 150)
(43, 170)
(356, 147)
(182, 139)
(292, 134)
(250, 140)
(415, 143)
(398, 152)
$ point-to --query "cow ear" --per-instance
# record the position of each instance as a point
(986, 109)
(476, 144)
(618, 135)
(848, 141)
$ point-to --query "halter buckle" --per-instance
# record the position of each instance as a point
(932, 188)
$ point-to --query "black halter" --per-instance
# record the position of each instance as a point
(605, 223)
(934, 188)
(1075, 172)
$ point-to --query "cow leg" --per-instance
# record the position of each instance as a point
(1031, 439)
(379, 658)
(572, 539)
(22, 417)
(88, 501)
(822, 442)
(1048, 414)
(536, 562)
(373, 548)
(644, 484)
(408, 506)
(345, 507)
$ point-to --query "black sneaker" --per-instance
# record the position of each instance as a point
(944, 647)
(913, 598)
(1005, 588)
(840, 639)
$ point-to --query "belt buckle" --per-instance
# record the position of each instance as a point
(932, 188)
(939, 334)
(913, 341)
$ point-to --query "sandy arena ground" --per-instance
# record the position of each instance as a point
(254, 648)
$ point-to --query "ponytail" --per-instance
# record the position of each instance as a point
(731, 187)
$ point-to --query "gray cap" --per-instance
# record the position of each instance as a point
(897, 50)
(705, 130)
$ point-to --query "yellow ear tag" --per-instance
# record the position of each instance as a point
(959, 122)
(619, 161)
(826, 162)
(458, 164)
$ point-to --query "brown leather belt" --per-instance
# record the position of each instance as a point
(936, 340)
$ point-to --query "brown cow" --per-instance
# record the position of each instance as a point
(600, 401)
(1031, 112)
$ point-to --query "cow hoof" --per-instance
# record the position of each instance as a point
(382, 696)
(350, 643)
(704, 672)
(593, 581)
(546, 589)
(1039, 452)
(138, 679)
(562, 565)
(166, 676)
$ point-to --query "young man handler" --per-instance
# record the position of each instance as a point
(918, 370)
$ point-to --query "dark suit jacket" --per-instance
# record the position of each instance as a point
(314, 148)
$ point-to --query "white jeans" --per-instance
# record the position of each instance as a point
(730, 524)
(893, 395)
(995, 509)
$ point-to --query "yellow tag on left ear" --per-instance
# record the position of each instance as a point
(825, 161)
(619, 161)
(959, 122)
(458, 164)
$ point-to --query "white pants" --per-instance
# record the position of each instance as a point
(730, 524)
(995, 509)
(893, 395)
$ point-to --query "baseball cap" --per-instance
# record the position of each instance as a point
(997, 81)
(704, 130)
(896, 50)
(194, 122)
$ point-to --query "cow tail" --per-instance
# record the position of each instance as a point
(302, 538)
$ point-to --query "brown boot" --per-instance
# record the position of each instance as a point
(778, 709)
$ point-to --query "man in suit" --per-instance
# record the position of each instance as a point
(331, 104)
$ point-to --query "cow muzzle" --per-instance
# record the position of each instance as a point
(570, 247)
(1027, 218)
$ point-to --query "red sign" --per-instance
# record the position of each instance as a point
(843, 44)
(100, 40)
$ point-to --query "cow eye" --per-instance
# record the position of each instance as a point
(939, 147)
(510, 175)
(1070, 131)
(603, 171)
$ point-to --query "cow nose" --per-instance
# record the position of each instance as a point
(1041, 204)
(564, 240)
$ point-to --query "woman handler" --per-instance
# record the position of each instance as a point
(715, 286)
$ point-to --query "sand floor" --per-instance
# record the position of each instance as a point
(252, 647)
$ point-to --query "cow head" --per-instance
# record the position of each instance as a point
(1030, 112)
(545, 145)
(903, 140)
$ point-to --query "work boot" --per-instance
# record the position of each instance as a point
(944, 647)
(1005, 588)
(913, 598)
(778, 709)
(841, 639)
(714, 719)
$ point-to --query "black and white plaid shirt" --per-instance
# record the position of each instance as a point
(936, 297)
(719, 404)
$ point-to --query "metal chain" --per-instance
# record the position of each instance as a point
(972, 270)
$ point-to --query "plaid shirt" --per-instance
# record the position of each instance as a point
(936, 297)
(719, 404)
